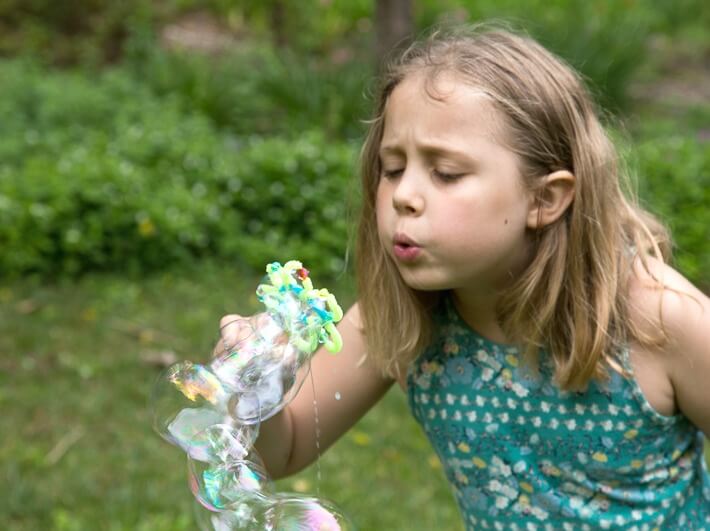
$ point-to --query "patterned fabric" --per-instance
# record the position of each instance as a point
(521, 454)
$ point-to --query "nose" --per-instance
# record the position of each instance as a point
(408, 197)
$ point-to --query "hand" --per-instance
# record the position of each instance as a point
(249, 359)
(233, 329)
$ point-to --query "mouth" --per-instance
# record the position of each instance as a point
(404, 248)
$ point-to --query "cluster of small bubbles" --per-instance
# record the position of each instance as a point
(213, 412)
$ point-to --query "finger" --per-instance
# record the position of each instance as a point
(228, 319)
(218, 349)
(234, 329)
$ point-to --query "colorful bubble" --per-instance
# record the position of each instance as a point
(213, 412)
(303, 513)
(219, 485)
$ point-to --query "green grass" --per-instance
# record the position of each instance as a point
(76, 446)
(77, 450)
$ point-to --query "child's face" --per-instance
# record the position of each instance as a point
(451, 208)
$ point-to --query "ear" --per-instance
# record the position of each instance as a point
(552, 200)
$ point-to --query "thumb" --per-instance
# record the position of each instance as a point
(233, 330)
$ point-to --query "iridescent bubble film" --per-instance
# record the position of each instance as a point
(212, 412)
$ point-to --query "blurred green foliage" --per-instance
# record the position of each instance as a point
(71, 31)
(250, 154)
(259, 90)
(604, 39)
(674, 183)
(94, 32)
(101, 174)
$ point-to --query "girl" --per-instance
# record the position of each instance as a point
(519, 299)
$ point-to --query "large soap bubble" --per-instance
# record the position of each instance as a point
(217, 486)
(303, 513)
(213, 412)
(282, 512)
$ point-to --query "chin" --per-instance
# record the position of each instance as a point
(424, 282)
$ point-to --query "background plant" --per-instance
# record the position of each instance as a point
(108, 176)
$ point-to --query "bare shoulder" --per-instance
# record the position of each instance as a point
(661, 299)
(665, 305)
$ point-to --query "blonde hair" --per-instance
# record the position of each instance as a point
(572, 298)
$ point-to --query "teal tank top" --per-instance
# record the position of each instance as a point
(522, 454)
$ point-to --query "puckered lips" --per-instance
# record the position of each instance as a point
(405, 248)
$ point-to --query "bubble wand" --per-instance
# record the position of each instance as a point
(215, 414)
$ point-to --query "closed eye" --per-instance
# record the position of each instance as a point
(392, 174)
(447, 177)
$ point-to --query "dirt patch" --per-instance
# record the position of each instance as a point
(199, 32)
(681, 78)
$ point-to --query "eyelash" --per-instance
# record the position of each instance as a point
(391, 174)
(446, 176)
(443, 176)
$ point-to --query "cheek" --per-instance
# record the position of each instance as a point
(503, 209)
(382, 201)
(482, 224)
(383, 191)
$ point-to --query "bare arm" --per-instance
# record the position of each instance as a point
(345, 389)
(682, 312)
(688, 322)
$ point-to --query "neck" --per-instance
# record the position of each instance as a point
(478, 311)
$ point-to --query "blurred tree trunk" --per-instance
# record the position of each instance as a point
(394, 26)
(277, 16)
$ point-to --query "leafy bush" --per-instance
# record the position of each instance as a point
(604, 40)
(674, 183)
(318, 79)
(98, 31)
(292, 196)
(257, 90)
(105, 175)
(72, 31)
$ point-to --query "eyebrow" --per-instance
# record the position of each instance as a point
(431, 150)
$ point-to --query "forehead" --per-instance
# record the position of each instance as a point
(443, 106)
